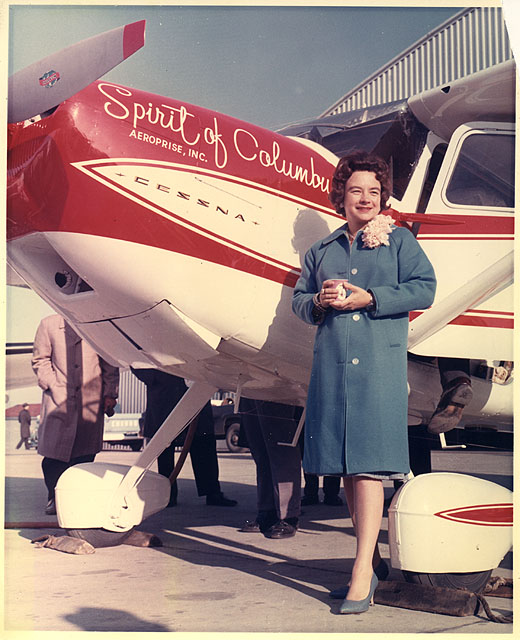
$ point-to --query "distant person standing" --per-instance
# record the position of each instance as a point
(24, 418)
(78, 387)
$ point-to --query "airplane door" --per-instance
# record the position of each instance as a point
(475, 185)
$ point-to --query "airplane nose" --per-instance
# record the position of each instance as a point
(37, 187)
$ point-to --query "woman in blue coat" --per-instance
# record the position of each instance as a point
(358, 285)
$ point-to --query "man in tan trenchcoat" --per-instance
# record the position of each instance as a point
(78, 387)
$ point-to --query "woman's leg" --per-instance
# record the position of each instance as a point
(368, 509)
(348, 486)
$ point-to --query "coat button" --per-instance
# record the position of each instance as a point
(355, 360)
(356, 317)
(354, 271)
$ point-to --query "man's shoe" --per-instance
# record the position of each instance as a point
(449, 410)
(250, 526)
(308, 500)
(334, 501)
(282, 529)
(220, 500)
(446, 419)
(262, 522)
(50, 509)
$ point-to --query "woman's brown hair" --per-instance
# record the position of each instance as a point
(359, 161)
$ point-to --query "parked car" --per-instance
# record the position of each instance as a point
(127, 428)
(227, 426)
(124, 428)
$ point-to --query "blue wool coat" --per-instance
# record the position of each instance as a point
(357, 406)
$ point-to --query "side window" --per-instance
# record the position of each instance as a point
(484, 173)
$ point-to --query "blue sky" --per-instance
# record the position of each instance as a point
(268, 65)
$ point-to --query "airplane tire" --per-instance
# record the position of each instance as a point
(474, 582)
(100, 537)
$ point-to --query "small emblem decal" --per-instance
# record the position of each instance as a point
(49, 79)
(487, 515)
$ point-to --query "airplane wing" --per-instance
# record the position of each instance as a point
(13, 279)
(44, 84)
(18, 370)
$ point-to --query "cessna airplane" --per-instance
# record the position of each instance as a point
(171, 236)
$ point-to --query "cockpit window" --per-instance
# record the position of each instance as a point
(390, 131)
(484, 175)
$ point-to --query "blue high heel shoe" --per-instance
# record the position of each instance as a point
(381, 572)
(360, 606)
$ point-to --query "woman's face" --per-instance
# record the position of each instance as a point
(362, 199)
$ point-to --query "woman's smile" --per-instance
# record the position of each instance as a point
(362, 199)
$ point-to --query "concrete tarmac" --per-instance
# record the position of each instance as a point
(208, 576)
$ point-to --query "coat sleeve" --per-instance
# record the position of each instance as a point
(110, 378)
(416, 280)
(42, 358)
(304, 291)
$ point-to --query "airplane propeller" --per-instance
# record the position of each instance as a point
(45, 84)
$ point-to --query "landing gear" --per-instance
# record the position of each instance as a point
(474, 582)
(100, 537)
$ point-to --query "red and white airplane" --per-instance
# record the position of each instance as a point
(171, 236)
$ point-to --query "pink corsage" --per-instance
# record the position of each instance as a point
(377, 231)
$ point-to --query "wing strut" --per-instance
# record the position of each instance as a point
(472, 293)
(183, 413)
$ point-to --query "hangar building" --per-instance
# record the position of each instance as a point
(472, 40)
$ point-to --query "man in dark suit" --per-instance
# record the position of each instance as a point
(163, 392)
(24, 418)
(278, 467)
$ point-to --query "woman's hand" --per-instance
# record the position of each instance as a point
(331, 290)
(358, 298)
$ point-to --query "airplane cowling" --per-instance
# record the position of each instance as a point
(449, 523)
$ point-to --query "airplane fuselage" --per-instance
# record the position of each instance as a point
(172, 237)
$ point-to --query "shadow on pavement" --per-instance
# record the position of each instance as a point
(98, 619)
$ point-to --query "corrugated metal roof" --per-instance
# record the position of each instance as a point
(472, 40)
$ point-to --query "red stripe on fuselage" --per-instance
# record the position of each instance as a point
(136, 223)
(471, 227)
(481, 320)
(152, 205)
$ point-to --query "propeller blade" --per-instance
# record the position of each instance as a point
(44, 84)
